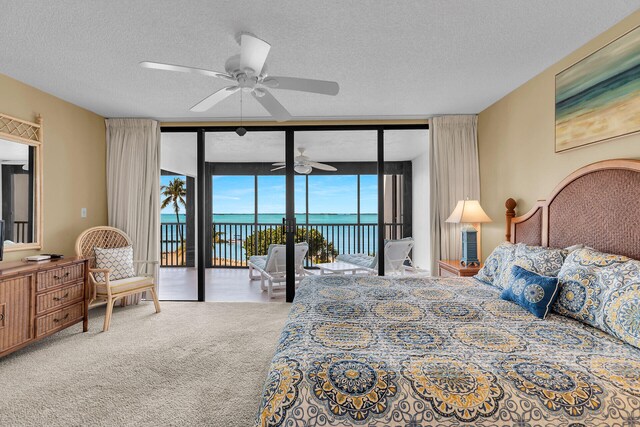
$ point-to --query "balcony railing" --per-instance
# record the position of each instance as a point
(228, 248)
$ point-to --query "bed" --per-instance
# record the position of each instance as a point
(419, 351)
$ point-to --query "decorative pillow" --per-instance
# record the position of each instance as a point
(538, 259)
(581, 292)
(492, 268)
(619, 314)
(118, 260)
(532, 291)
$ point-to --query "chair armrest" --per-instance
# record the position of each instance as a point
(146, 262)
(106, 271)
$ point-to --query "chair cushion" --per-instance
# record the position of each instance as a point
(118, 260)
(258, 261)
(360, 260)
(532, 291)
(124, 285)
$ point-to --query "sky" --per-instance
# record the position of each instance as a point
(327, 194)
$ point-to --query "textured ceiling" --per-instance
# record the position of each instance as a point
(392, 58)
(179, 149)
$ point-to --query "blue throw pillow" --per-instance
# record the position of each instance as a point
(532, 291)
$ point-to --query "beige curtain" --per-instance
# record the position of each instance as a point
(454, 175)
(133, 186)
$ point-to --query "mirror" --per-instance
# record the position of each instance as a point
(20, 185)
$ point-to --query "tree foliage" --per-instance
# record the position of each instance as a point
(174, 194)
(319, 249)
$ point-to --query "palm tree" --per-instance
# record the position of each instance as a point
(175, 194)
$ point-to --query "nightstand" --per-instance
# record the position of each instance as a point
(452, 268)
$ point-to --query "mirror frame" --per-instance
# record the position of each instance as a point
(28, 133)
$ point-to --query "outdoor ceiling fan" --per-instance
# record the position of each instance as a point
(248, 72)
(304, 165)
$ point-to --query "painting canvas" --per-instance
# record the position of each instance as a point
(598, 98)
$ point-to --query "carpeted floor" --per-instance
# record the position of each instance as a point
(192, 364)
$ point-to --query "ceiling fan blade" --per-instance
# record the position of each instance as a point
(273, 106)
(253, 53)
(278, 164)
(275, 169)
(321, 166)
(323, 87)
(214, 98)
(183, 69)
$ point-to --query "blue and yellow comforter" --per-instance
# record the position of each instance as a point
(413, 351)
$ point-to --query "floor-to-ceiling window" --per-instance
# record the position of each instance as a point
(178, 203)
(406, 190)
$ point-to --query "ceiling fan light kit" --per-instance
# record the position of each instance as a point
(304, 165)
(249, 73)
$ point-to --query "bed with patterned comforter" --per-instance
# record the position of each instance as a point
(411, 351)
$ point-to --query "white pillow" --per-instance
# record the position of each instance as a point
(118, 260)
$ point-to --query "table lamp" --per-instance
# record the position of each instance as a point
(469, 213)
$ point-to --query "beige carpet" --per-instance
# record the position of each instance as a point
(192, 364)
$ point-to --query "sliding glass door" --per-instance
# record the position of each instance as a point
(245, 201)
(336, 172)
(340, 190)
(406, 199)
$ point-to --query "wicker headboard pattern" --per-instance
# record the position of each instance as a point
(598, 206)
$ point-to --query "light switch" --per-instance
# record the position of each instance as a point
(83, 212)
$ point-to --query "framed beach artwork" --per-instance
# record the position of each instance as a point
(598, 98)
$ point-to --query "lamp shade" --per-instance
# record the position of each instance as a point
(468, 211)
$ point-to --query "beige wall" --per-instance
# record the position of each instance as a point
(516, 143)
(74, 163)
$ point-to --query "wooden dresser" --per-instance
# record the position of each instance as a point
(38, 299)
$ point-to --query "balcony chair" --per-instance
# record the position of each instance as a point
(103, 289)
(271, 268)
(396, 253)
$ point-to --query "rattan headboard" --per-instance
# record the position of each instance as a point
(597, 205)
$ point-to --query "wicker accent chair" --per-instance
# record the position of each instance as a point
(112, 290)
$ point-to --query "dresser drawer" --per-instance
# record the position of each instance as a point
(59, 319)
(50, 300)
(53, 278)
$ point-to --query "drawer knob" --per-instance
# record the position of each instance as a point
(60, 320)
(61, 277)
(1, 317)
(62, 297)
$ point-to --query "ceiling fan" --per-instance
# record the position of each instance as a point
(304, 165)
(248, 72)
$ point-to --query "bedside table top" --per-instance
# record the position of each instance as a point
(454, 265)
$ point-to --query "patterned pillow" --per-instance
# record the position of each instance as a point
(532, 291)
(580, 290)
(619, 314)
(490, 272)
(118, 260)
(538, 259)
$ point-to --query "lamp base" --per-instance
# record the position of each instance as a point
(469, 247)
